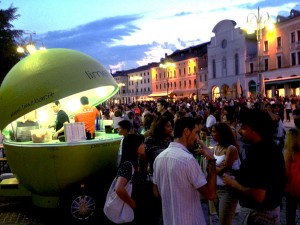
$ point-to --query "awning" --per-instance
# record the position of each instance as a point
(177, 93)
(158, 94)
(283, 80)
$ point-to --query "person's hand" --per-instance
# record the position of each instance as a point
(132, 204)
(222, 164)
(229, 180)
(55, 135)
(204, 150)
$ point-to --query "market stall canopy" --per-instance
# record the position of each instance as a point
(49, 75)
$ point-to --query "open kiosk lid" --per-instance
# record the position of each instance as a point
(49, 75)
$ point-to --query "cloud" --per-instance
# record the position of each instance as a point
(183, 14)
(98, 39)
(104, 40)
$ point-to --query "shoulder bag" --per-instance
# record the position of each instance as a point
(115, 208)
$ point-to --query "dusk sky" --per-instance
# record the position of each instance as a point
(125, 34)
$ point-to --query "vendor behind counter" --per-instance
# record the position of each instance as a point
(87, 114)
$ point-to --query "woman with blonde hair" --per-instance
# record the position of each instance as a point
(292, 165)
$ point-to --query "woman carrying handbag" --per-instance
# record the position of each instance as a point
(133, 154)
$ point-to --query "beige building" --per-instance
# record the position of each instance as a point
(134, 85)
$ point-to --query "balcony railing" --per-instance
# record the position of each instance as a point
(295, 45)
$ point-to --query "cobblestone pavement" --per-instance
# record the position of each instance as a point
(213, 219)
(22, 212)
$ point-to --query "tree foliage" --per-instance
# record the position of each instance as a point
(8, 41)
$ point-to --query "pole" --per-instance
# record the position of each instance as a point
(260, 77)
(258, 37)
(167, 84)
(260, 85)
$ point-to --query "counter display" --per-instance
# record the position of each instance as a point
(54, 165)
(54, 172)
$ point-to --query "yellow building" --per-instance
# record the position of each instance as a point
(281, 56)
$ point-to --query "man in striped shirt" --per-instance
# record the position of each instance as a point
(178, 178)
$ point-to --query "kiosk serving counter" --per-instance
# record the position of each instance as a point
(75, 174)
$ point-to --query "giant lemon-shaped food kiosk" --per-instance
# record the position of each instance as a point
(52, 172)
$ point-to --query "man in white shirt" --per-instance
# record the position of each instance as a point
(211, 119)
(178, 178)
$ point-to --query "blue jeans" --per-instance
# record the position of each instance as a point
(225, 204)
(249, 216)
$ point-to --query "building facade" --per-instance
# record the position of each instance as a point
(281, 56)
(238, 64)
(134, 85)
(233, 64)
(226, 61)
(121, 78)
(183, 74)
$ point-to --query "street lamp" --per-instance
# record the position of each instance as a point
(261, 19)
(136, 78)
(30, 47)
(166, 66)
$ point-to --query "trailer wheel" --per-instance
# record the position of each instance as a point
(81, 208)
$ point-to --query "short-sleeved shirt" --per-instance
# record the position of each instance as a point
(263, 168)
(61, 118)
(178, 176)
(125, 170)
(87, 114)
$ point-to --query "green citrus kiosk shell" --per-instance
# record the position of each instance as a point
(49, 75)
(46, 169)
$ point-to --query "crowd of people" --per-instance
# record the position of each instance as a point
(253, 163)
